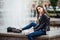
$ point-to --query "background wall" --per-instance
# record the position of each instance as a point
(16, 13)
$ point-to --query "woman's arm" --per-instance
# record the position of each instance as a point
(46, 20)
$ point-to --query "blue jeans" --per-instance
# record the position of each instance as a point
(35, 33)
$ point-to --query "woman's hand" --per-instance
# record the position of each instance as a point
(37, 21)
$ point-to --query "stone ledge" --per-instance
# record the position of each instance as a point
(20, 36)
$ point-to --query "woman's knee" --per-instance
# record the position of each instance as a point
(34, 24)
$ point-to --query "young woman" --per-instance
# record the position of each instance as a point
(42, 26)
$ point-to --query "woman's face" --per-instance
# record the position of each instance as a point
(40, 9)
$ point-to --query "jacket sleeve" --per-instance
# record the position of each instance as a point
(39, 26)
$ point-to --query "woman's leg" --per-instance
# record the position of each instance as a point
(35, 34)
(29, 26)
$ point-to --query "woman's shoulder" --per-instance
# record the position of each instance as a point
(45, 15)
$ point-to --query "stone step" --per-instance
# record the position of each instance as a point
(19, 36)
